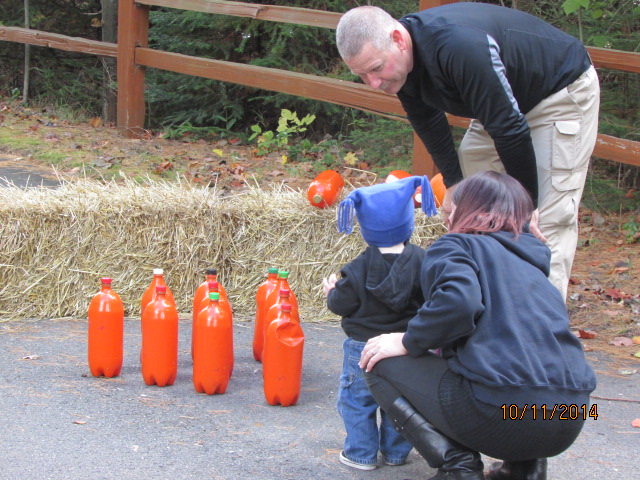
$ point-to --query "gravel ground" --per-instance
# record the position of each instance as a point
(61, 423)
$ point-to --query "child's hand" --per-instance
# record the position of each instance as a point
(329, 284)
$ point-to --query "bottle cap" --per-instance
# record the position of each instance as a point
(106, 280)
(215, 296)
(158, 271)
(285, 292)
(273, 270)
(161, 289)
(283, 274)
(317, 198)
(285, 307)
(211, 271)
(212, 285)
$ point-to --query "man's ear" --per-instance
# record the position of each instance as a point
(398, 39)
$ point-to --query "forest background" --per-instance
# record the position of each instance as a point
(80, 87)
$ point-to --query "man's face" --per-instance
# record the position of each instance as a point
(385, 70)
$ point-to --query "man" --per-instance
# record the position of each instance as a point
(530, 89)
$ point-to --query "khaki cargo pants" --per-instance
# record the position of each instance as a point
(564, 127)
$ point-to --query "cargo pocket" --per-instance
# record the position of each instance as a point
(564, 159)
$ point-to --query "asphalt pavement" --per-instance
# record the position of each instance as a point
(59, 422)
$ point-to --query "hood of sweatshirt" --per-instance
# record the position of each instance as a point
(527, 247)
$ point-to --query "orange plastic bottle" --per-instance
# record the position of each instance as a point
(213, 348)
(159, 353)
(106, 332)
(150, 292)
(325, 189)
(201, 297)
(282, 360)
(214, 287)
(282, 283)
(276, 308)
(261, 297)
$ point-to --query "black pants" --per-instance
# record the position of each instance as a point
(446, 400)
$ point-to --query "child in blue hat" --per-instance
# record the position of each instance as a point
(378, 292)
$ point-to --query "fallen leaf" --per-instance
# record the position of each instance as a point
(363, 166)
(586, 334)
(621, 342)
(630, 193)
(284, 159)
(95, 122)
(636, 423)
(614, 293)
(350, 159)
(636, 340)
(217, 151)
(637, 354)
(164, 166)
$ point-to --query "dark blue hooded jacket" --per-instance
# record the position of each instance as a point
(502, 325)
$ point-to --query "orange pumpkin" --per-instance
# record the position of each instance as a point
(437, 185)
(325, 189)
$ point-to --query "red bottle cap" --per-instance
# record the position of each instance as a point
(212, 285)
(161, 289)
(105, 281)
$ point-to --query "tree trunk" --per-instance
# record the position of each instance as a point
(27, 55)
(109, 34)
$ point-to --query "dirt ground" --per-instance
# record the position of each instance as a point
(604, 295)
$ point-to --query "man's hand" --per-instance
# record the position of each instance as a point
(534, 226)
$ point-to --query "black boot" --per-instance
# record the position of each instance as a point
(535, 469)
(453, 461)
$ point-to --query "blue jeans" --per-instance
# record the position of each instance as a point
(358, 410)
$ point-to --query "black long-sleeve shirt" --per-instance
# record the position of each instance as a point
(490, 63)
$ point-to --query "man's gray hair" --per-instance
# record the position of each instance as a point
(362, 25)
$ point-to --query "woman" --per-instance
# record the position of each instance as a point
(512, 382)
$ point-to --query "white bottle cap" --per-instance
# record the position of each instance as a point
(158, 271)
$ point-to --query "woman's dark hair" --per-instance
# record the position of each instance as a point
(489, 202)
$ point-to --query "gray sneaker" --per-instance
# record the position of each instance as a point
(360, 466)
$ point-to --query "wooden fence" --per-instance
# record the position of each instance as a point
(133, 56)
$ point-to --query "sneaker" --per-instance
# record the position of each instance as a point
(360, 466)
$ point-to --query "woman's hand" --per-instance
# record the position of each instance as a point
(329, 284)
(382, 346)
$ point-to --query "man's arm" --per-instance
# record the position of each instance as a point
(432, 126)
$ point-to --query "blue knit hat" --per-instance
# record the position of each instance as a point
(385, 211)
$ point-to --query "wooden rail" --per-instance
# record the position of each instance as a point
(134, 55)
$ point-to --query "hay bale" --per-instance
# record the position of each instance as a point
(55, 244)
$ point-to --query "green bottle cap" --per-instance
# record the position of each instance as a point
(214, 296)
(273, 270)
(283, 274)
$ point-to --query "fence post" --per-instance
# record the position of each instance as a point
(422, 161)
(133, 31)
